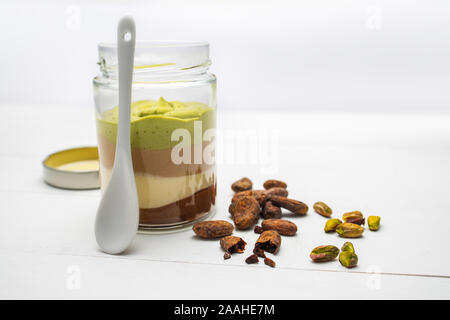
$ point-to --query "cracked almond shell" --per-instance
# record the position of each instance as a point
(269, 241)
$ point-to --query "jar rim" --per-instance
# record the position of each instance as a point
(157, 44)
(161, 57)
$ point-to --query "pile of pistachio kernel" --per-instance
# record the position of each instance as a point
(351, 226)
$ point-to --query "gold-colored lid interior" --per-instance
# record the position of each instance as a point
(78, 159)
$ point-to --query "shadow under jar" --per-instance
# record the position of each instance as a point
(173, 120)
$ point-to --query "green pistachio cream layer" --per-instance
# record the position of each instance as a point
(152, 122)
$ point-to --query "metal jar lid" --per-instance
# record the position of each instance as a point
(76, 168)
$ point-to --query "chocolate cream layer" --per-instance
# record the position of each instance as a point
(168, 192)
(184, 210)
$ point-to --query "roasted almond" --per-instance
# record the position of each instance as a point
(274, 183)
(283, 227)
(292, 205)
(259, 195)
(213, 229)
(246, 213)
(242, 184)
(276, 191)
(270, 211)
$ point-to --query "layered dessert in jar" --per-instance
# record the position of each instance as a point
(172, 146)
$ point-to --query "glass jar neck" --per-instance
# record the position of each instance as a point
(159, 60)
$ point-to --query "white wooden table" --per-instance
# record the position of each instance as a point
(395, 166)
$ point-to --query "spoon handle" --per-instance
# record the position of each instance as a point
(126, 38)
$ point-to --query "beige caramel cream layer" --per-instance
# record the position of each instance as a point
(156, 191)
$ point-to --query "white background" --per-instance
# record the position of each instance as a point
(363, 86)
(353, 55)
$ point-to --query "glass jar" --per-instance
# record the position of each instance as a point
(173, 120)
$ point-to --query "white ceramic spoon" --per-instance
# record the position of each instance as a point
(118, 214)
